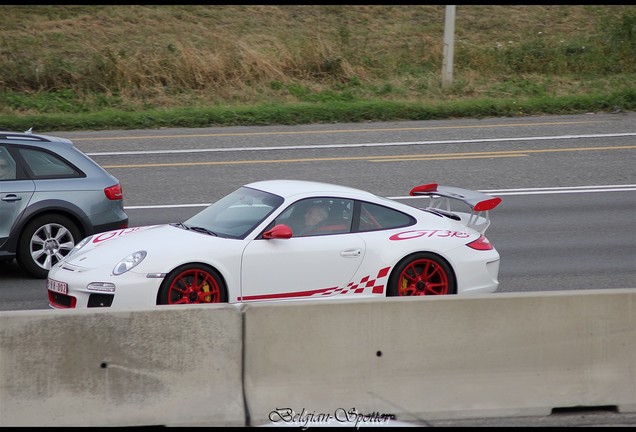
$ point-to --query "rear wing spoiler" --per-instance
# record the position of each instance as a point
(478, 202)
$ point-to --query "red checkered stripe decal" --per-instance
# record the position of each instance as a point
(375, 285)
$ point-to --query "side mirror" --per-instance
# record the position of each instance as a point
(280, 231)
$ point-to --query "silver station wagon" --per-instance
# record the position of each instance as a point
(52, 195)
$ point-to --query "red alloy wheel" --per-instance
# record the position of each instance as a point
(192, 284)
(423, 277)
(422, 274)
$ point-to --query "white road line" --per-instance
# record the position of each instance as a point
(387, 144)
(496, 192)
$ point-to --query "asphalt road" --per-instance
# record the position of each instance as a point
(568, 183)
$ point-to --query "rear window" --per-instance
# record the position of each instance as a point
(42, 164)
(375, 217)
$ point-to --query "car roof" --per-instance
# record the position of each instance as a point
(29, 138)
(289, 188)
(62, 147)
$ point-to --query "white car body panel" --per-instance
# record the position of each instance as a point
(303, 267)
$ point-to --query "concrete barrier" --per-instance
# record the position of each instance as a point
(418, 359)
(169, 366)
(320, 363)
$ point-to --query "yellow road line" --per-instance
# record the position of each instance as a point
(336, 131)
(446, 157)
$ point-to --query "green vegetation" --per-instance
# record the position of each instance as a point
(74, 67)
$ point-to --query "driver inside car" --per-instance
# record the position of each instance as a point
(314, 216)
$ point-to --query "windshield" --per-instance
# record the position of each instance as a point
(236, 214)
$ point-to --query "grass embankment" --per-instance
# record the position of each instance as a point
(99, 67)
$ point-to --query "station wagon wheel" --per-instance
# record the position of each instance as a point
(423, 273)
(190, 284)
(45, 241)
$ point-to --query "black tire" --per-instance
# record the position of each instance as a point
(192, 284)
(423, 273)
(44, 242)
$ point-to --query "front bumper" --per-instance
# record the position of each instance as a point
(132, 290)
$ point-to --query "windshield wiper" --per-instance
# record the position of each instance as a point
(203, 230)
(179, 225)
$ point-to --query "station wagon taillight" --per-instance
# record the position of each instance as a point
(114, 192)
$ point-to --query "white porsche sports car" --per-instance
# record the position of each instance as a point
(289, 239)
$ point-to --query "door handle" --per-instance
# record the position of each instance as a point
(351, 253)
(11, 197)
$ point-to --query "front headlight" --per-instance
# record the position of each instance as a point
(129, 262)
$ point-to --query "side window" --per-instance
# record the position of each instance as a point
(318, 216)
(376, 217)
(47, 165)
(7, 165)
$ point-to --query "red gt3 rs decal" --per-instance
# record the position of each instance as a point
(407, 235)
(114, 234)
(375, 285)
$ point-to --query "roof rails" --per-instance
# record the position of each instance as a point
(23, 136)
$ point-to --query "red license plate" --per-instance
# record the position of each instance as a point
(57, 286)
